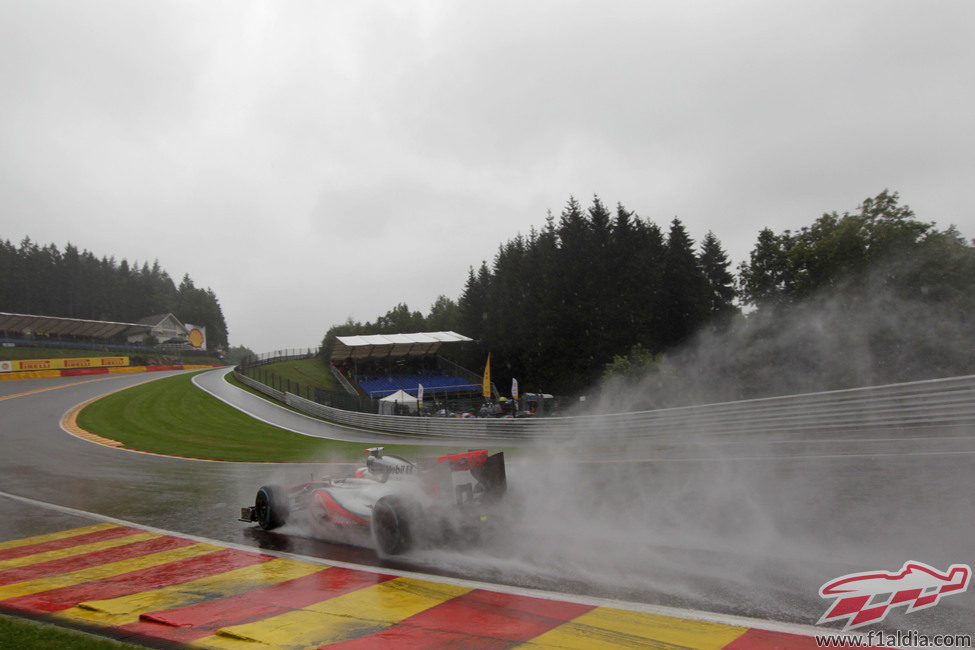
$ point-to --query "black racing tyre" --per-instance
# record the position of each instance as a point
(393, 519)
(270, 507)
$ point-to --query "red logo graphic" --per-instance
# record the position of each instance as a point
(864, 598)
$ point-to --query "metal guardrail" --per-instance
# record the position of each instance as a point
(868, 411)
(343, 382)
(258, 386)
(278, 355)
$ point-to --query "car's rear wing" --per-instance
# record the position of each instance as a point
(491, 475)
(487, 470)
(465, 460)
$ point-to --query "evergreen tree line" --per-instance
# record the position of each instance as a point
(596, 292)
(76, 284)
(556, 305)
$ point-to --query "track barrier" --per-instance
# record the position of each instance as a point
(870, 411)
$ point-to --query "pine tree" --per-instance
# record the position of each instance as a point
(721, 283)
(685, 289)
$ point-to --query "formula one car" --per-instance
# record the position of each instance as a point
(400, 503)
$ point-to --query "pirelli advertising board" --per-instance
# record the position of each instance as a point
(23, 365)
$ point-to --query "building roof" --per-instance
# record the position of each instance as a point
(156, 319)
(392, 345)
(58, 326)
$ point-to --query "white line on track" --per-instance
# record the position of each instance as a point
(382, 436)
(59, 386)
(661, 610)
(270, 404)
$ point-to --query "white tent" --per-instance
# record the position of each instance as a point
(387, 405)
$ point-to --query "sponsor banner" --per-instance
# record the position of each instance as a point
(197, 336)
(28, 365)
(126, 370)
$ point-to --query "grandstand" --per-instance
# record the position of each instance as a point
(382, 364)
(37, 331)
(33, 325)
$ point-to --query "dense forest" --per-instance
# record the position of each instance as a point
(597, 293)
(76, 284)
(861, 298)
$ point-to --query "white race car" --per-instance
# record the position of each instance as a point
(399, 502)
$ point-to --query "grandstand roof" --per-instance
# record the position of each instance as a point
(57, 326)
(392, 345)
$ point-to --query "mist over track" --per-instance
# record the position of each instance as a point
(686, 515)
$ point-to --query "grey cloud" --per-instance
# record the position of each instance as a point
(421, 136)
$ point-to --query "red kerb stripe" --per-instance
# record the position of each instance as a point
(95, 558)
(502, 618)
(204, 619)
(133, 582)
(67, 542)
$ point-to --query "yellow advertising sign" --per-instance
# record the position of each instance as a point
(22, 365)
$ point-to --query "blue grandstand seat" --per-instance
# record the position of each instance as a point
(409, 383)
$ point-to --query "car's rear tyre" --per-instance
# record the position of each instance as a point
(393, 520)
(270, 507)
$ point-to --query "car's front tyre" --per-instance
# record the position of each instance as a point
(270, 507)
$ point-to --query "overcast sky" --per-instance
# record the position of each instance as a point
(312, 161)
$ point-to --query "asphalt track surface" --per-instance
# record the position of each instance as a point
(749, 528)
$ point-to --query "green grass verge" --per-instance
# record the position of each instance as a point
(172, 416)
(22, 633)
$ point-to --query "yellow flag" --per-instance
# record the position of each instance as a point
(486, 391)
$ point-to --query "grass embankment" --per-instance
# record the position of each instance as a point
(20, 633)
(304, 372)
(172, 416)
(18, 353)
(233, 381)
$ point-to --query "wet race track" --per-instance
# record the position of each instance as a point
(752, 528)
